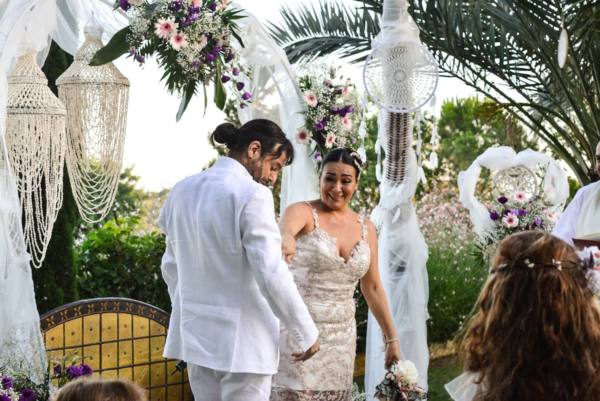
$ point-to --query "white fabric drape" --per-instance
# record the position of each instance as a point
(277, 97)
(31, 25)
(403, 257)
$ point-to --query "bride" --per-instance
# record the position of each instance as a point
(330, 248)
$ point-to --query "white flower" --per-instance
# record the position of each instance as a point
(310, 98)
(201, 44)
(406, 372)
(136, 3)
(303, 136)
(329, 140)
(520, 197)
(178, 41)
(165, 28)
(347, 123)
(551, 216)
(510, 220)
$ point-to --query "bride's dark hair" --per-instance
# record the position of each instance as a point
(346, 156)
(535, 334)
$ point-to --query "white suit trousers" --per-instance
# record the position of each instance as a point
(214, 385)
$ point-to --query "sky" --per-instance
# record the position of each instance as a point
(163, 151)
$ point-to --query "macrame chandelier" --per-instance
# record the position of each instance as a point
(35, 140)
(96, 100)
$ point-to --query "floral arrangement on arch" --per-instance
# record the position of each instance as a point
(400, 384)
(333, 113)
(192, 42)
(511, 213)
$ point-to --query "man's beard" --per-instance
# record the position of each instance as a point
(255, 170)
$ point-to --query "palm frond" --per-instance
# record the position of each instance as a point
(329, 28)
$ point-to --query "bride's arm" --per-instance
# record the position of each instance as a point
(374, 293)
(293, 221)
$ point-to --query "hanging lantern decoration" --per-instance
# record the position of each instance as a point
(96, 100)
(36, 145)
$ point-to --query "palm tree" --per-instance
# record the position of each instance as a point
(505, 49)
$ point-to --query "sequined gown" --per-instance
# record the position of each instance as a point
(327, 283)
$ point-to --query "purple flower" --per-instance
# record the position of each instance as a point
(320, 126)
(176, 5)
(216, 49)
(210, 57)
(537, 221)
(318, 157)
(349, 109)
(57, 370)
(196, 64)
(140, 59)
(74, 371)
(228, 56)
(240, 85)
(235, 71)
(86, 369)
(4, 397)
(124, 4)
(521, 212)
(27, 394)
(212, 6)
(225, 79)
(334, 110)
(494, 215)
(247, 96)
(7, 382)
(502, 199)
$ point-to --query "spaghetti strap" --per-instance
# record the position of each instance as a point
(364, 227)
(314, 213)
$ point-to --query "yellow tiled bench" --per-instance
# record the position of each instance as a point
(117, 337)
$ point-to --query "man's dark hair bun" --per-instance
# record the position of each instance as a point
(225, 134)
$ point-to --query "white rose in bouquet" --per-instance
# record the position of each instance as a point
(406, 372)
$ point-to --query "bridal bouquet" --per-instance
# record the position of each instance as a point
(192, 41)
(516, 212)
(400, 384)
(333, 113)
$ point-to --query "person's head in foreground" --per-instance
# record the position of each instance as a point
(259, 145)
(535, 334)
(340, 171)
(101, 390)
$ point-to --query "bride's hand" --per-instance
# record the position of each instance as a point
(288, 247)
(392, 354)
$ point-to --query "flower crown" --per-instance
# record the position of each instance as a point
(528, 263)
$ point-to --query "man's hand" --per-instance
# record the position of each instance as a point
(303, 356)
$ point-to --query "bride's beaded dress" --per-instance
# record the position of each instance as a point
(326, 282)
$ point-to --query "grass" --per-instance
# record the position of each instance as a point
(441, 371)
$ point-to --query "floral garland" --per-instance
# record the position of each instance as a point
(192, 41)
(400, 383)
(333, 114)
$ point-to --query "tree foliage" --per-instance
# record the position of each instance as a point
(505, 49)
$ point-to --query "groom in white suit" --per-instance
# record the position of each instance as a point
(228, 284)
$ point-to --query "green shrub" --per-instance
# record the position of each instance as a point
(455, 279)
(114, 261)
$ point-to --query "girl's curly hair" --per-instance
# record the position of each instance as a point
(535, 334)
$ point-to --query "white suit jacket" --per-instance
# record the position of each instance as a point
(566, 226)
(226, 277)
